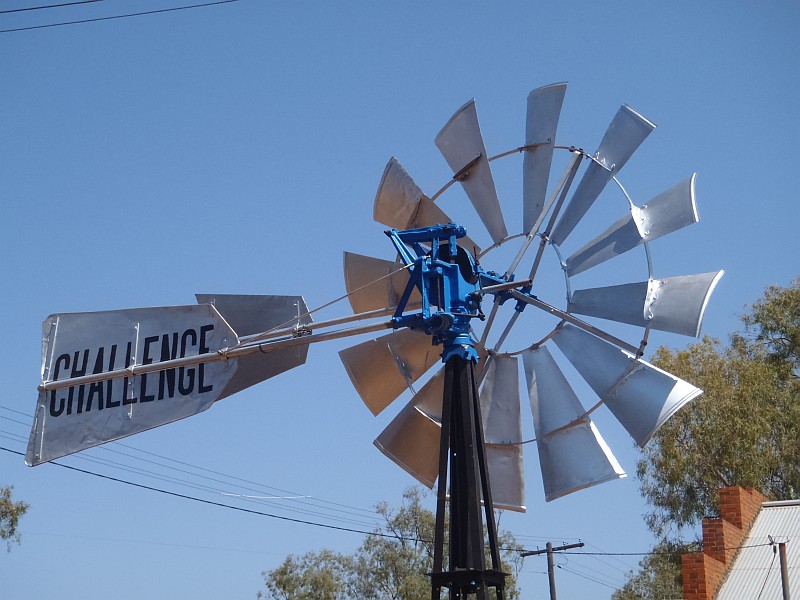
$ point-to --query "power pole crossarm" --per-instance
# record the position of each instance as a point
(554, 549)
(551, 565)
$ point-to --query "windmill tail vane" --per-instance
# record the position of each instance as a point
(109, 374)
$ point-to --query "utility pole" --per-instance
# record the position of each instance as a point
(780, 548)
(551, 566)
(784, 570)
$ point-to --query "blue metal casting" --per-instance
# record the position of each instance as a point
(449, 281)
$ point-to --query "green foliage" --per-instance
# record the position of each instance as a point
(745, 428)
(313, 575)
(382, 567)
(774, 326)
(659, 575)
(10, 514)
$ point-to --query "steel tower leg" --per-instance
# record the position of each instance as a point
(462, 449)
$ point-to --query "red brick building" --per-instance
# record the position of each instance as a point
(739, 559)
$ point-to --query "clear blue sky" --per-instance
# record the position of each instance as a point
(237, 149)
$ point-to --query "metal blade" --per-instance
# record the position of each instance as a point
(249, 314)
(374, 283)
(572, 453)
(626, 132)
(674, 304)
(544, 109)
(80, 416)
(401, 204)
(411, 440)
(502, 430)
(383, 368)
(669, 211)
(641, 396)
(461, 143)
(397, 198)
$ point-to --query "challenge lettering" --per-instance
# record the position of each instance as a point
(163, 385)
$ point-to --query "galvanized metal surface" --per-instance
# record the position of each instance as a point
(627, 131)
(502, 429)
(461, 143)
(247, 315)
(544, 109)
(81, 416)
(670, 211)
(756, 572)
(411, 440)
(401, 204)
(374, 283)
(572, 453)
(642, 397)
(675, 304)
(383, 368)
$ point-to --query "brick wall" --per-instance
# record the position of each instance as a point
(703, 572)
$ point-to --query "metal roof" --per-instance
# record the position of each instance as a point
(756, 572)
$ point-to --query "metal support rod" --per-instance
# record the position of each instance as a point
(575, 321)
(285, 331)
(218, 356)
(502, 287)
(561, 190)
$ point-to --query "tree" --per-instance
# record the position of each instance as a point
(393, 565)
(774, 325)
(659, 575)
(10, 514)
(313, 575)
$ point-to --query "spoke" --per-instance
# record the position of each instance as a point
(566, 179)
(561, 190)
(577, 322)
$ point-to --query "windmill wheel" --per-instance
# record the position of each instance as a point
(572, 453)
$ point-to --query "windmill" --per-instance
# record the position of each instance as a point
(106, 375)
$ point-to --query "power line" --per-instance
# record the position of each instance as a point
(769, 570)
(598, 572)
(587, 577)
(16, 10)
(139, 14)
(332, 514)
(230, 481)
(218, 504)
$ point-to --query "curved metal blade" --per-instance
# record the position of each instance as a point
(627, 131)
(401, 204)
(383, 368)
(641, 396)
(669, 211)
(253, 314)
(461, 143)
(544, 109)
(397, 198)
(572, 453)
(502, 430)
(374, 283)
(674, 304)
(412, 440)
